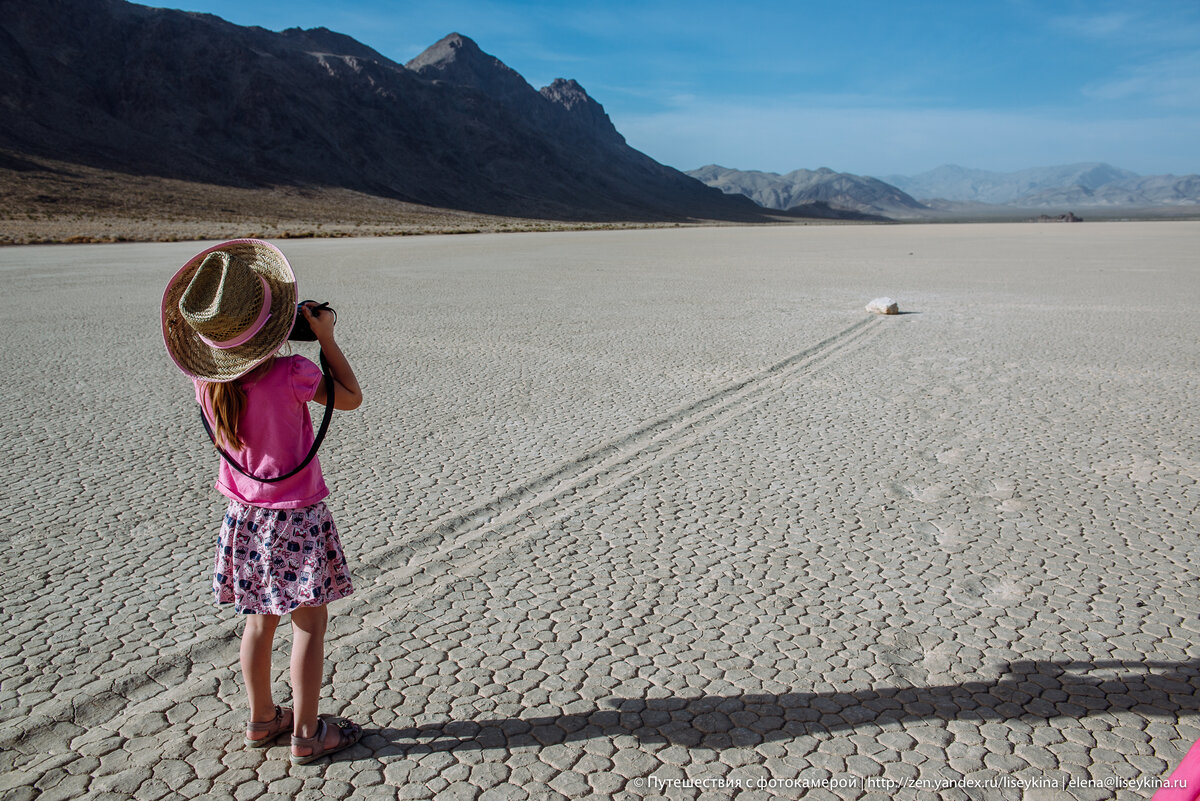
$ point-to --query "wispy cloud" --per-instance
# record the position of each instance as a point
(1172, 82)
(1140, 27)
(1096, 26)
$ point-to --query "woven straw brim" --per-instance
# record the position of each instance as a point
(200, 360)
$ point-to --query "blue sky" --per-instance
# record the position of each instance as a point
(874, 88)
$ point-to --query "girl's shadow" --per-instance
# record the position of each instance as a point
(1029, 691)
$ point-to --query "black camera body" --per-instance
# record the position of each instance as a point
(301, 330)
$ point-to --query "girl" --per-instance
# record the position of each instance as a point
(224, 316)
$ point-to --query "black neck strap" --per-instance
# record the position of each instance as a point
(311, 451)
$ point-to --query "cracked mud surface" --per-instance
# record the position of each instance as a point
(630, 507)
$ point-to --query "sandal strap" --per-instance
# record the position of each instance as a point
(315, 742)
(265, 725)
(346, 737)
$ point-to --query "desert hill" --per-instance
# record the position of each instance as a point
(801, 188)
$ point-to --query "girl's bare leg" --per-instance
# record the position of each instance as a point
(256, 665)
(308, 662)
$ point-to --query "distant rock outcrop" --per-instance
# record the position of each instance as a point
(839, 190)
(151, 91)
(1068, 217)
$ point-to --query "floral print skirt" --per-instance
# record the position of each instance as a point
(270, 561)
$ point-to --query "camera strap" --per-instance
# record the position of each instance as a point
(311, 451)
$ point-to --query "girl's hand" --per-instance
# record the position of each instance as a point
(321, 323)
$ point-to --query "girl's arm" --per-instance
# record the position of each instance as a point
(347, 395)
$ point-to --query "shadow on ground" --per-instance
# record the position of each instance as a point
(1028, 690)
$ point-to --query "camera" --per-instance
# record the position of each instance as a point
(301, 330)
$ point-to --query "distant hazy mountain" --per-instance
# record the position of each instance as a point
(800, 187)
(1082, 185)
(151, 91)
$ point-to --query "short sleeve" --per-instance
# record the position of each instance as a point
(199, 390)
(306, 377)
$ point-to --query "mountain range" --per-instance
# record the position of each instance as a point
(147, 91)
(1088, 184)
(950, 191)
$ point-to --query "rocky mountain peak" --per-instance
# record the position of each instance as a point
(566, 92)
(586, 112)
(458, 60)
(456, 57)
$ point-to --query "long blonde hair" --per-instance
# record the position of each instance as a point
(228, 400)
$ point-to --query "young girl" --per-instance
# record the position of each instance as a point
(224, 315)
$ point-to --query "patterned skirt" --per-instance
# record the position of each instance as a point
(270, 561)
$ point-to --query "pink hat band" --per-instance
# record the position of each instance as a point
(264, 314)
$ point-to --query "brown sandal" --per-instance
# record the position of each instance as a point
(273, 727)
(348, 735)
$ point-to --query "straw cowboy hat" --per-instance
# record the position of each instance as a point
(228, 309)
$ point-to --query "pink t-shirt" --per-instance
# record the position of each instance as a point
(277, 432)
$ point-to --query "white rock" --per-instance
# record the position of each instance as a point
(883, 306)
